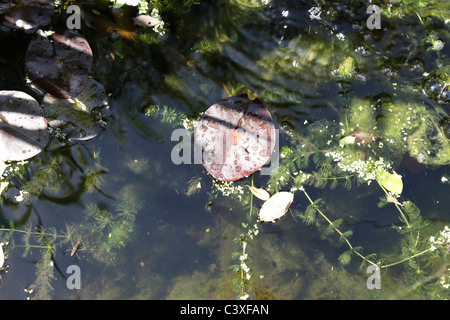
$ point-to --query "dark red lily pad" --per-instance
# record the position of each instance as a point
(23, 127)
(237, 137)
(60, 67)
(28, 15)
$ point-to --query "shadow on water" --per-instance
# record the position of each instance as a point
(155, 230)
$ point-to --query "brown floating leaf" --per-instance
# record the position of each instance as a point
(363, 138)
(2, 256)
(277, 205)
(236, 136)
(392, 199)
(23, 128)
(259, 193)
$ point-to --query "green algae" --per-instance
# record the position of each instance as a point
(347, 69)
(404, 126)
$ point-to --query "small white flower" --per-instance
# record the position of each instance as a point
(438, 45)
(314, 13)
(133, 3)
(340, 36)
(22, 196)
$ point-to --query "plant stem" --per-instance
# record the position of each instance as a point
(360, 255)
(338, 231)
(396, 205)
(405, 259)
(34, 233)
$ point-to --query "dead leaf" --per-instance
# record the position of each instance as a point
(144, 20)
(2, 256)
(276, 206)
(259, 193)
(392, 199)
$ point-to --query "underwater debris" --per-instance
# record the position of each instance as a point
(194, 186)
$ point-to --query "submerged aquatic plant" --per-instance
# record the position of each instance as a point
(102, 237)
(364, 148)
(106, 232)
(165, 114)
(46, 241)
(242, 283)
(336, 157)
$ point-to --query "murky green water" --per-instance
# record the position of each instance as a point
(177, 245)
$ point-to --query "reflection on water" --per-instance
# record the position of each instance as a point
(146, 234)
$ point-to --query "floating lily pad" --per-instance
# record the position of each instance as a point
(82, 118)
(23, 127)
(237, 137)
(59, 67)
(26, 14)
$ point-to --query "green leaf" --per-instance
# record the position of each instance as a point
(347, 140)
(391, 181)
(345, 235)
(345, 257)
(333, 226)
(309, 217)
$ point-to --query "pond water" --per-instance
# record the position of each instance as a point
(150, 229)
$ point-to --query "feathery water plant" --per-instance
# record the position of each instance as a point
(103, 235)
(242, 283)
